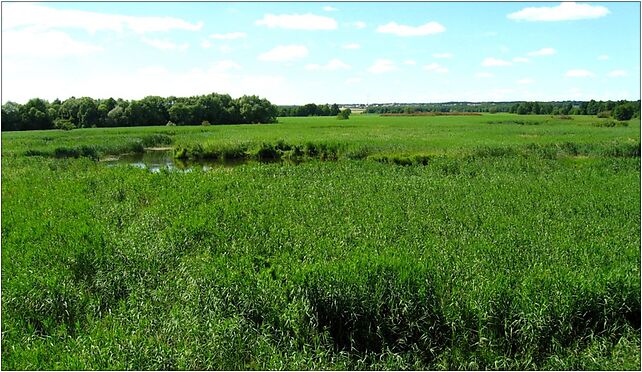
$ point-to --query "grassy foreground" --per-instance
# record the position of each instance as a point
(514, 246)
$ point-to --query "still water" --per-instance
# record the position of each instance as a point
(155, 160)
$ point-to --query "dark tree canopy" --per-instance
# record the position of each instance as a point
(86, 112)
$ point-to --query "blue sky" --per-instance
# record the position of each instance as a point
(295, 53)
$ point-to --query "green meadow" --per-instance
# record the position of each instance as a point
(497, 241)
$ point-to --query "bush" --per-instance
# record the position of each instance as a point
(344, 114)
(623, 112)
(170, 124)
(205, 123)
(604, 114)
(64, 124)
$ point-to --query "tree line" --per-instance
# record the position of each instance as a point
(310, 109)
(621, 110)
(86, 112)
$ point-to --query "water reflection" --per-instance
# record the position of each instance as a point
(156, 160)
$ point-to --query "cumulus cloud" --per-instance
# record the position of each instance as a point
(330, 9)
(165, 44)
(617, 73)
(332, 65)
(153, 80)
(436, 67)
(442, 55)
(568, 11)
(603, 57)
(359, 24)
(579, 73)
(494, 62)
(403, 30)
(351, 46)
(228, 36)
(298, 22)
(284, 53)
(206, 44)
(382, 65)
(28, 14)
(44, 44)
(542, 52)
(520, 60)
(409, 62)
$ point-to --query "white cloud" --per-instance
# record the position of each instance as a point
(283, 53)
(206, 44)
(228, 36)
(603, 57)
(351, 46)
(542, 52)
(409, 62)
(165, 44)
(44, 44)
(525, 81)
(382, 65)
(442, 55)
(520, 60)
(567, 11)
(484, 75)
(330, 9)
(617, 73)
(332, 65)
(435, 67)
(403, 30)
(28, 14)
(153, 80)
(494, 62)
(359, 25)
(579, 73)
(298, 22)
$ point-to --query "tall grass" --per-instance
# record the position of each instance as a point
(515, 254)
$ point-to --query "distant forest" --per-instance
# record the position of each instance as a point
(86, 112)
(621, 110)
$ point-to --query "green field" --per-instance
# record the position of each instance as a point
(483, 242)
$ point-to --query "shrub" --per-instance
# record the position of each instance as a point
(170, 124)
(623, 112)
(604, 114)
(205, 123)
(344, 114)
(64, 124)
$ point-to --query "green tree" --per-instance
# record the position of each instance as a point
(87, 112)
(344, 114)
(11, 116)
(623, 112)
(34, 115)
